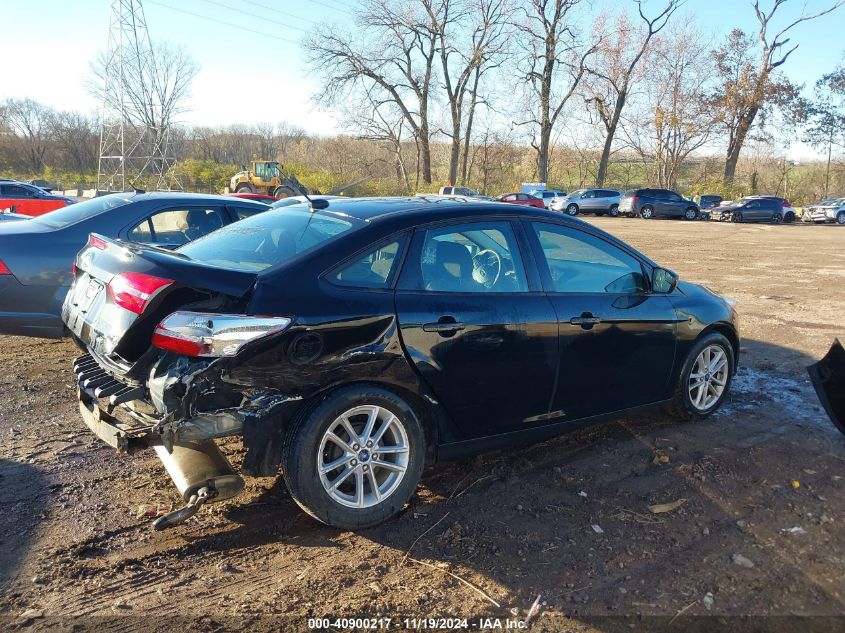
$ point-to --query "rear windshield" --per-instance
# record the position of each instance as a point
(74, 213)
(266, 239)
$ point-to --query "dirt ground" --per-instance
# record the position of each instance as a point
(760, 530)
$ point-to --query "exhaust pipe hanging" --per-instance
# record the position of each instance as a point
(201, 474)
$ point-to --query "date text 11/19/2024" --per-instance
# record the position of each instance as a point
(412, 623)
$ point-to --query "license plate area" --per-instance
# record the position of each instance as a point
(90, 292)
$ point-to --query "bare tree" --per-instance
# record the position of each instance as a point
(153, 94)
(749, 87)
(77, 141)
(826, 127)
(482, 24)
(395, 52)
(675, 118)
(554, 63)
(615, 70)
(31, 122)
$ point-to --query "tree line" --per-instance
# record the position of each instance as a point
(492, 92)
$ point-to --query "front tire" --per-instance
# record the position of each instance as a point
(572, 209)
(647, 213)
(690, 214)
(245, 189)
(354, 459)
(283, 192)
(705, 378)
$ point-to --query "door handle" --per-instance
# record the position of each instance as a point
(443, 326)
(586, 320)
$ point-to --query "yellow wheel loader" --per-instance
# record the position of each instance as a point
(266, 177)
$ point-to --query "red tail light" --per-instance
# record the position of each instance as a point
(787, 203)
(96, 242)
(4, 270)
(133, 291)
(202, 334)
(634, 198)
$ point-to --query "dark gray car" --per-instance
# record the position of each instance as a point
(752, 210)
(657, 203)
(36, 255)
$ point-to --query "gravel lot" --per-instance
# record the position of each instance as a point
(761, 530)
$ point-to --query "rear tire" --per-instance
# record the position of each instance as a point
(789, 218)
(572, 209)
(647, 213)
(309, 449)
(614, 211)
(244, 189)
(736, 217)
(689, 403)
(840, 218)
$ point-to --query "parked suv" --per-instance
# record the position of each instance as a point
(548, 195)
(657, 203)
(598, 201)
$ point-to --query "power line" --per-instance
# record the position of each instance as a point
(333, 8)
(260, 18)
(223, 22)
(275, 10)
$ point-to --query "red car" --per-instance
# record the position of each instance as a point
(26, 199)
(525, 199)
(258, 197)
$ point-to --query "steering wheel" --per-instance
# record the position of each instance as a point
(486, 267)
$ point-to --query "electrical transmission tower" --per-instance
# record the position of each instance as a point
(134, 134)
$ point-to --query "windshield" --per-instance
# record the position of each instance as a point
(74, 213)
(266, 239)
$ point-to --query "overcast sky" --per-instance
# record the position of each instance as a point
(251, 65)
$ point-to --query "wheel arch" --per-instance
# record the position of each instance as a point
(729, 332)
(428, 413)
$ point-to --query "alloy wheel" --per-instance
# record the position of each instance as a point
(840, 217)
(708, 377)
(572, 209)
(646, 213)
(690, 214)
(363, 456)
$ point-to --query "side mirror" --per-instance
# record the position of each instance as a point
(663, 281)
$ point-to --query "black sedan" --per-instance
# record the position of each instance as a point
(354, 341)
(36, 254)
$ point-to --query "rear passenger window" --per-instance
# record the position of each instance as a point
(582, 263)
(246, 212)
(176, 227)
(376, 269)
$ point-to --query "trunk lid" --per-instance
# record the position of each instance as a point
(118, 336)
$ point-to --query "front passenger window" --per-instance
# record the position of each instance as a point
(474, 257)
(582, 263)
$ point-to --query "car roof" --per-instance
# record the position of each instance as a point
(418, 209)
(190, 197)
